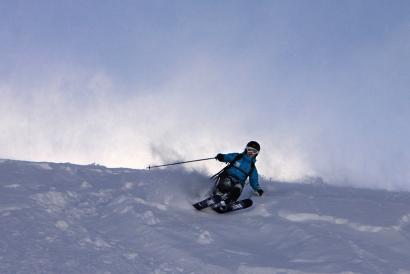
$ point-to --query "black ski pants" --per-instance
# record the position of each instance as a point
(230, 186)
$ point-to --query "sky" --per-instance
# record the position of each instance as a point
(321, 85)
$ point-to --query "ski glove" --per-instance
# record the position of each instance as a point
(220, 157)
(260, 192)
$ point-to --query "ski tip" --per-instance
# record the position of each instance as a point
(196, 206)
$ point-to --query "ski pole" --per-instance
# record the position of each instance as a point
(178, 163)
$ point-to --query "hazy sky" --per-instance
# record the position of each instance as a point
(324, 86)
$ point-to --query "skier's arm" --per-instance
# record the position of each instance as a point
(226, 157)
(254, 182)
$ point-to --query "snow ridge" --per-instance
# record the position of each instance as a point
(64, 218)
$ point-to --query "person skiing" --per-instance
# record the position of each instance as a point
(231, 180)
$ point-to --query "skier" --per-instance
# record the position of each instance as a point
(232, 179)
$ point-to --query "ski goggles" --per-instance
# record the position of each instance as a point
(252, 150)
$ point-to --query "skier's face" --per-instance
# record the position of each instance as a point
(251, 152)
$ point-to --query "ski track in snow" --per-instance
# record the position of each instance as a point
(63, 218)
(308, 217)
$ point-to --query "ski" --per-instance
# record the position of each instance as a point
(238, 205)
(207, 202)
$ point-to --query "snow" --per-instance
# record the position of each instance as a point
(308, 217)
(64, 218)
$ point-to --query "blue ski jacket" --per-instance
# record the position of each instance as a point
(241, 168)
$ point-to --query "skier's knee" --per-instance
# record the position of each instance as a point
(225, 185)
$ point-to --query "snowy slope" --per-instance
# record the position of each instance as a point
(64, 218)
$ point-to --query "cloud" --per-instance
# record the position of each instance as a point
(85, 116)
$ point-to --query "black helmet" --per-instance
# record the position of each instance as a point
(254, 145)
